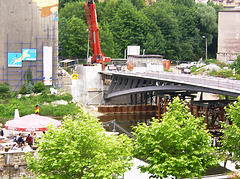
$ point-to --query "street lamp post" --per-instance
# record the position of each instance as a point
(206, 45)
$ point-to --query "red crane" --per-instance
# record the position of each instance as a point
(93, 30)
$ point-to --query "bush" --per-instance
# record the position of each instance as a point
(211, 61)
(46, 91)
(202, 70)
(236, 65)
(221, 73)
(67, 97)
(4, 88)
(39, 87)
(29, 88)
(213, 73)
(221, 64)
(226, 73)
(23, 89)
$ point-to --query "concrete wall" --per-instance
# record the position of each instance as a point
(143, 60)
(87, 89)
(13, 165)
(27, 24)
(228, 35)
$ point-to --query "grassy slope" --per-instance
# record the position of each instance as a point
(26, 105)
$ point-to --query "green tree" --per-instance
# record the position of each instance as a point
(62, 3)
(236, 65)
(81, 149)
(73, 30)
(207, 18)
(139, 3)
(154, 44)
(178, 145)
(187, 3)
(231, 138)
(176, 28)
(129, 27)
(162, 14)
(190, 41)
(107, 41)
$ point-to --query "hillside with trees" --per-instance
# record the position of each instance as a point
(167, 27)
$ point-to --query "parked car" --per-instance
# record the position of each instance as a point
(183, 65)
(186, 71)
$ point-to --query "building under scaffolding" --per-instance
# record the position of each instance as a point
(29, 42)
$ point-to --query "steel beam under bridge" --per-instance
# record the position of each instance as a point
(125, 84)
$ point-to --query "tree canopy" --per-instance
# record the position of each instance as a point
(231, 138)
(170, 28)
(236, 65)
(81, 149)
(178, 145)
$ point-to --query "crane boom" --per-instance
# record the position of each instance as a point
(93, 30)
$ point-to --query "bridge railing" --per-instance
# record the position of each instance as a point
(189, 79)
(210, 81)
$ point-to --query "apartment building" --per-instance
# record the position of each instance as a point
(228, 35)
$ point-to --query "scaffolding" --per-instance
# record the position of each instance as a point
(16, 76)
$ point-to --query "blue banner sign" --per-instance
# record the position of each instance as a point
(14, 60)
(29, 54)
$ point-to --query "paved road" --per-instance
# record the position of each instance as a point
(209, 81)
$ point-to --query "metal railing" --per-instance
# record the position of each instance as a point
(116, 126)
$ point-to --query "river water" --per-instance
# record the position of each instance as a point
(126, 120)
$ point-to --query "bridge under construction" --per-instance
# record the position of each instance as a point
(153, 92)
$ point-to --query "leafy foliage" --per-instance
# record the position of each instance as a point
(23, 89)
(63, 2)
(81, 149)
(236, 65)
(4, 89)
(26, 105)
(39, 87)
(221, 73)
(29, 88)
(231, 138)
(73, 30)
(28, 76)
(170, 28)
(178, 145)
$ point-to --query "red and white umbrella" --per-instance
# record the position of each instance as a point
(31, 123)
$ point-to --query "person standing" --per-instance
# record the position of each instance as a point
(29, 140)
(20, 140)
(1, 132)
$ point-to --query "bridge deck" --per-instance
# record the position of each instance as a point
(196, 82)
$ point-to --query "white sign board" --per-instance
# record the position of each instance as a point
(133, 50)
(47, 65)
